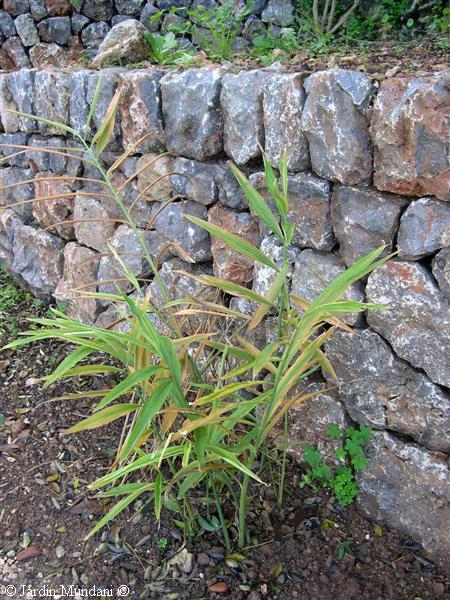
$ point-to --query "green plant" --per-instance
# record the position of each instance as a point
(198, 408)
(162, 543)
(340, 479)
(76, 4)
(343, 548)
(224, 24)
(165, 49)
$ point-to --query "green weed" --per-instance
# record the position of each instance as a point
(340, 479)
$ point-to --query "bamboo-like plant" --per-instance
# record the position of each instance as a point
(195, 429)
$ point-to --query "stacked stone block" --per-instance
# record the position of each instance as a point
(367, 167)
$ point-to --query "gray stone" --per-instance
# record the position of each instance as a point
(384, 392)
(45, 161)
(124, 43)
(7, 26)
(38, 9)
(141, 110)
(7, 149)
(314, 271)
(147, 12)
(363, 220)
(79, 22)
(78, 99)
(335, 122)
(283, 103)
(193, 120)
(256, 6)
(98, 10)
(410, 132)
(26, 30)
(195, 181)
(424, 228)
(52, 101)
(229, 264)
(178, 286)
(13, 55)
(130, 7)
(441, 271)
(188, 241)
(418, 323)
(79, 276)
(279, 12)
(11, 176)
(253, 28)
(55, 29)
(242, 106)
(263, 275)
(128, 247)
(309, 209)
(16, 7)
(230, 193)
(119, 19)
(308, 421)
(49, 55)
(153, 181)
(240, 44)
(38, 259)
(93, 226)
(407, 487)
(93, 35)
(168, 4)
(17, 95)
(9, 222)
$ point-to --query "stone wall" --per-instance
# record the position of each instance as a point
(367, 166)
(39, 33)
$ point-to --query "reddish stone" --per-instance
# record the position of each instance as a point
(53, 211)
(13, 55)
(49, 55)
(411, 136)
(229, 264)
(58, 8)
(80, 273)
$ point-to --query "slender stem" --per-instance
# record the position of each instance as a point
(223, 525)
(283, 464)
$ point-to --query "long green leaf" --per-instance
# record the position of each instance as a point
(103, 417)
(257, 202)
(118, 508)
(235, 242)
(133, 380)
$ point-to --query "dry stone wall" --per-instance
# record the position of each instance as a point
(39, 33)
(367, 166)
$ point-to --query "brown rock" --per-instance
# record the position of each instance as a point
(80, 270)
(13, 55)
(411, 136)
(229, 264)
(155, 173)
(140, 109)
(55, 210)
(48, 55)
(58, 8)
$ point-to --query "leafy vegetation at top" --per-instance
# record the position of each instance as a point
(198, 403)
(319, 27)
(340, 479)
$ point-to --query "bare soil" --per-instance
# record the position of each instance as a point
(46, 511)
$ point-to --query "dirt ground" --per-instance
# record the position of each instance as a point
(311, 549)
